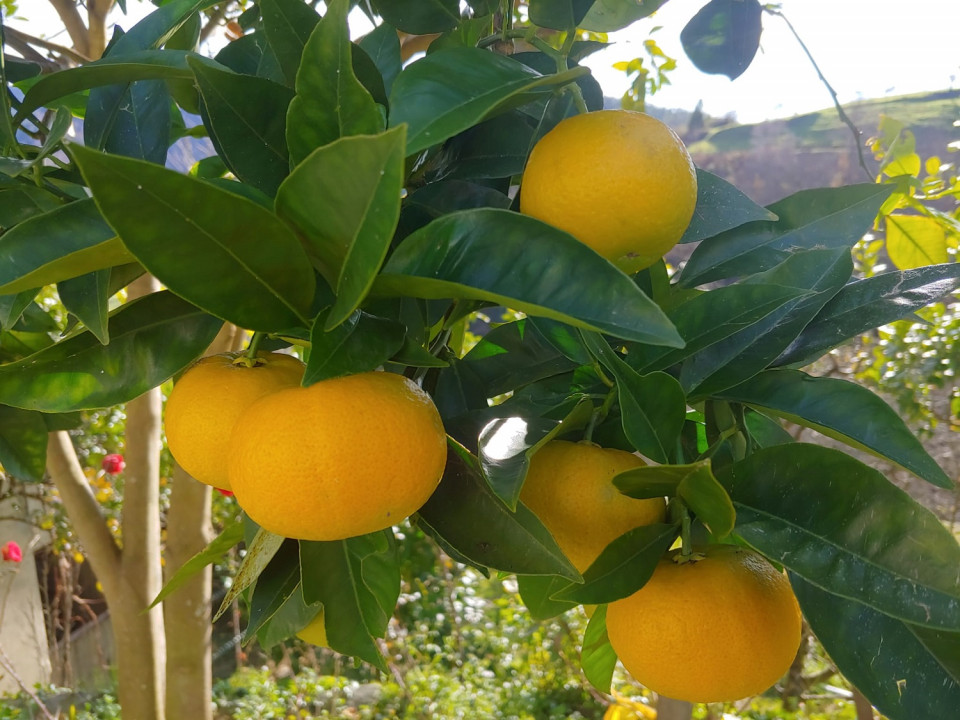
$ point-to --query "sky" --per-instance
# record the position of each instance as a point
(865, 49)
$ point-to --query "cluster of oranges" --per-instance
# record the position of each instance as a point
(356, 454)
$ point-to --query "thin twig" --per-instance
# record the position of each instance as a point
(218, 14)
(833, 93)
(8, 666)
(30, 40)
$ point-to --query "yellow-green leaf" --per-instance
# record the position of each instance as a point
(915, 240)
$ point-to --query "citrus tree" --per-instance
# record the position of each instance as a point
(358, 213)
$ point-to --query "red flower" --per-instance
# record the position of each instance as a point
(113, 464)
(225, 493)
(11, 552)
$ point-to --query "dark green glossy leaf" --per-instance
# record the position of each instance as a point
(567, 340)
(843, 526)
(652, 407)
(507, 444)
(246, 119)
(822, 218)
(723, 37)
(23, 443)
(358, 582)
(151, 339)
(597, 657)
(536, 592)
(496, 148)
(16, 69)
(330, 102)
(512, 355)
(765, 431)
(558, 14)
(345, 201)
(288, 24)
(87, 297)
(742, 355)
(465, 512)
(720, 207)
(276, 584)
(18, 204)
(216, 550)
(13, 305)
(292, 617)
(624, 566)
(891, 662)
(419, 17)
(453, 89)
(62, 121)
(252, 55)
(610, 15)
(844, 411)
(363, 342)
(709, 501)
(520, 262)
(260, 550)
(220, 251)
(652, 481)
(869, 303)
(710, 317)
(383, 47)
(69, 241)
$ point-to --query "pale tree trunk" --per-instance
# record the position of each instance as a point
(670, 709)
(138, 634)
(187, 611)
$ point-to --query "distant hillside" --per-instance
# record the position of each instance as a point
(772, 159)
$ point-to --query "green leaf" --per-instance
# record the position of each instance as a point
(720, 207)
(12, 307)
(276, 584)
(215, 551)
(536, 592)
(653, 480)
(512, 355)
(419, 17)
(288, 24)
(470, 518)
(18, 204)
(330, 102)
(842, 410)
(597, 657)
(293, 616)
(23, 443)
(344, 200)
(522, 263)
(246, 119)
(844, 527)
(765, 431)
(364, 342)
(383, 46)
(87, 297)
(708, 499)
(710, 317)
(610, 15)
(742, 355)
(218, 250)
(624, 566)
(507, 444)
(496, 148)
(151, 339)
(558, 14)
(358, 582)
(869, 303)
(723, 37)
(915, 240)
(822, 218)
(433, 98)
(69, 241)
(893, 663)
(260, 551)
(652, 407)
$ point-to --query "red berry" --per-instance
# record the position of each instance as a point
(11, 552)
(113, 464)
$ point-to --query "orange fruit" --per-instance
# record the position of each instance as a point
(316, 632)
(619, 181)
(569, 487)
(340, 458)
(206, 402)
(717, 629)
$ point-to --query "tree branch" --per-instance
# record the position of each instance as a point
(16, 39)
(70, 17)
(83, 509)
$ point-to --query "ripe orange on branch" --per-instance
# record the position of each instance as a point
(206, 402)
(340, 458)
(619, 181)
(716, 629)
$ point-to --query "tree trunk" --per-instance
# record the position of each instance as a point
(187, 611)
(138, 634)
(670, 709)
